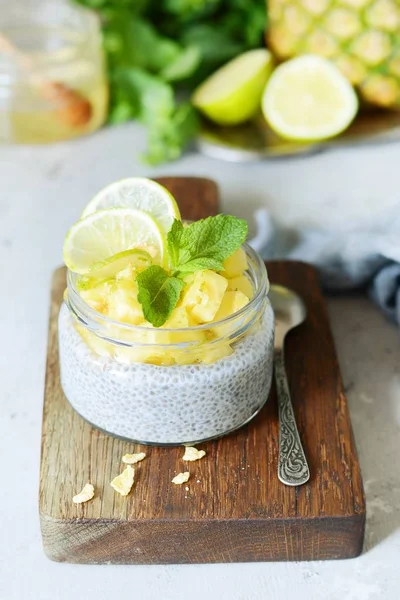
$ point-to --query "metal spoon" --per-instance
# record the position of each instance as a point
(290, 312)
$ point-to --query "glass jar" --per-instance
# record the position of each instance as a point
(52, 74)
(168, 386)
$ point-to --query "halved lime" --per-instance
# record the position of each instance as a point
(308, 99)
(140, 193)
(233, 94)
(106, 233)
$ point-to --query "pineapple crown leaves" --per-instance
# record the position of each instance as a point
(202, 245)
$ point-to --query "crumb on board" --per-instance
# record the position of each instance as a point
(123, 483)
(192, 454)
(85, 495)
(132, 459)
(181, 478)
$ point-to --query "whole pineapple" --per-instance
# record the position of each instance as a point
(362, 37)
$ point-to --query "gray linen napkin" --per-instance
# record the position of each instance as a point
(362, 254)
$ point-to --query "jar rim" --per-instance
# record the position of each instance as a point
(91, 318)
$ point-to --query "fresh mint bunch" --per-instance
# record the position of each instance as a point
(159, 51)
(202, 245)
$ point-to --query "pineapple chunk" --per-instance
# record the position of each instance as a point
(96, 344)
(204, 354)
(241, 284)
(145, 348)
(96, 295)
(235, 265)
(216, 352)
(179, 319)
(231, 303)
(123, 304)
(142, 354)
(186, 357)
(203, 297)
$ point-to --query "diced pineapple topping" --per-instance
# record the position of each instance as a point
(180, 319)
(235, 264)
(241, 284)
(231, 303)
(123, 304)
(215, 352)
(96, 344)
(204, 295)
(96, 294)
(207, 297)
(149, 355)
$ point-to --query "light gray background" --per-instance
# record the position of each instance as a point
(42, 192)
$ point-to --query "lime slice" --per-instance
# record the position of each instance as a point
(106, 233)
(233, 93)
(139, 193)
(308, 99)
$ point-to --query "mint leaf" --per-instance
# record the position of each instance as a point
(158, 294)
(205, 244)
(174, 242)
(200, 264)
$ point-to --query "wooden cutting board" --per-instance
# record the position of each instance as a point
(235, 508)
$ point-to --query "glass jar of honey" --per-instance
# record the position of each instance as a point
(53, 83)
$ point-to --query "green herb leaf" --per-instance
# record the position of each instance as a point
(158, 294)
(205, 244)
(170, 125)
(201, 264)
(174, 242)
(184, 65)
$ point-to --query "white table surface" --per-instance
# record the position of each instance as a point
(42, 191)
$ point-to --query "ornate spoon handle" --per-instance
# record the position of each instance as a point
(292, 463)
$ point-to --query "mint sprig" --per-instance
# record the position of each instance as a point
(205, 244)
(202, 245)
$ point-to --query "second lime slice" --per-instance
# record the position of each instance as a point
(105, 233)
(140, 193)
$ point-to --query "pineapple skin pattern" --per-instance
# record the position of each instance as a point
(362, 37)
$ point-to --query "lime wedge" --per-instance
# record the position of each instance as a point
(105, 233)
(308, 99)
(140, 193)
(233, 94)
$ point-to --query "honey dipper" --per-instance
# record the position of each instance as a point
(75, 110)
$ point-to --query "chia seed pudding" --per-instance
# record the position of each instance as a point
(167, 404)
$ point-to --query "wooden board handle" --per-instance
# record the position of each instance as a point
(197, 197)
